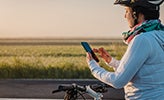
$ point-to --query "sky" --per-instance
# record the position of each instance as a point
(62, 19)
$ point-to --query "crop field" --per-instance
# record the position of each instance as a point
(50, 58)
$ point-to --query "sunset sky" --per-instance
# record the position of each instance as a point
(62, 18)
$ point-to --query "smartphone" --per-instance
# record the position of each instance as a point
(88, 49)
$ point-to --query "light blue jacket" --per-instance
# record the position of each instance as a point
(141, 69)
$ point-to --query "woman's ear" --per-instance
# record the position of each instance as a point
(134, 15)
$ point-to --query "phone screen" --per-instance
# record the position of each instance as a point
(86, 47)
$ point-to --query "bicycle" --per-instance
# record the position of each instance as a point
(74, 91)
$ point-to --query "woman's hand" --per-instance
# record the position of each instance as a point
(88, 57)
(104, 54)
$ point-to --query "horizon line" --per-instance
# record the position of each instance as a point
(42, 38)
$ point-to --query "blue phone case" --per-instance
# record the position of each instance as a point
(88, 49)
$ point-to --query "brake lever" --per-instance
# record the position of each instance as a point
(99, 88)
(55, 91)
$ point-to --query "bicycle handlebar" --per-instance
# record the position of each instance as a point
(96, 87)
(73, 90)
(69, 87)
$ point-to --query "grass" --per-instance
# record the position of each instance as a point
(50, 61)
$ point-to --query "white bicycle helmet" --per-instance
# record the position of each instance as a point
(149, 4)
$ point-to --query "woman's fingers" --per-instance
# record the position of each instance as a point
(88, 57)
(95, 50)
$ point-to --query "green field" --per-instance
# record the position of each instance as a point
(51, 58)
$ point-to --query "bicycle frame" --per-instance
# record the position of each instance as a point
(92, 93)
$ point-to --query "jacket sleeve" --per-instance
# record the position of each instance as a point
(137, 53)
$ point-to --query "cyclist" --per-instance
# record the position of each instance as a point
(141, 69)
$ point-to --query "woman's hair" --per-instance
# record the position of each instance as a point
(148, 13)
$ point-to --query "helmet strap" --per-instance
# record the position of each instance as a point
(135, 21)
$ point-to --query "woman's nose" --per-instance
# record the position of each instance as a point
(125, 16)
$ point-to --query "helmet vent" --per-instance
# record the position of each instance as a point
(156, 2)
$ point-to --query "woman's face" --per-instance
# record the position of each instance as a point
(129, 16)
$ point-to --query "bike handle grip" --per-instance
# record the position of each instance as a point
(70, 87)
(64, 88)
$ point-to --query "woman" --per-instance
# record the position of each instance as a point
(141, 69)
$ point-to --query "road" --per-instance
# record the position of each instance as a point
(42, 88)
